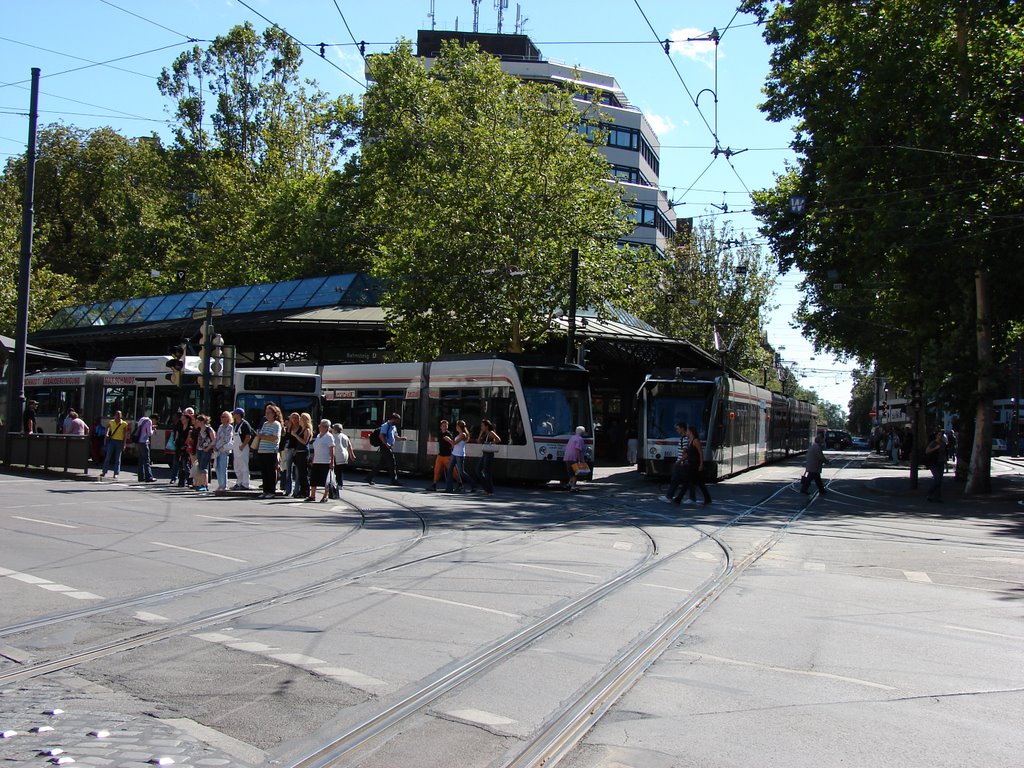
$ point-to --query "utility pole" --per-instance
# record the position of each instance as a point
(17, 383)
(1016, 406)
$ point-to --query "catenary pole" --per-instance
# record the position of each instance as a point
(17, 400)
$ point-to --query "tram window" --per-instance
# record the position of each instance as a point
(464, 404)
(119, 399)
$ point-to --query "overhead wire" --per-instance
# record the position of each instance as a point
(360, 45)
(188, 38)
(70, 56)
(302, 44)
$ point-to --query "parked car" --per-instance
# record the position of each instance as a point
(837, 440)
(861, 442)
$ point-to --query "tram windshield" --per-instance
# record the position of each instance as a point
(557, 401)
(255, 403)
(669, 403)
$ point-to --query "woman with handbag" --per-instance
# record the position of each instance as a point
(575, 453)
(300, 436)
(222, 449)
(489, 441)
(204, 438)
(458, 462)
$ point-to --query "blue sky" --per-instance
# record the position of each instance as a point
(612, 36)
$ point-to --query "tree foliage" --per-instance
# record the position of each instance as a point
(907, 128)
(719, 292)
(481, 184)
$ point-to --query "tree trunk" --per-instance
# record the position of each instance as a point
(978, 476)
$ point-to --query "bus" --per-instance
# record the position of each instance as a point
(534, 404)
(740, 424)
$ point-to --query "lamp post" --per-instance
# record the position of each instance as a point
(570, 340)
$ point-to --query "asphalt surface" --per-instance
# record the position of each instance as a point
(906, 621)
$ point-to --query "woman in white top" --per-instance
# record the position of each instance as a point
(222, 449)
(323, 460)
(458, 462)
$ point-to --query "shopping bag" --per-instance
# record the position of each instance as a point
(332, 486)
(581, 469)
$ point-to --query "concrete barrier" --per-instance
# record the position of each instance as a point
(61, 452)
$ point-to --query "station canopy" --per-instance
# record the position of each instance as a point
(353, 289)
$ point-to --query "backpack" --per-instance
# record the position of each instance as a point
(136, 430)
(375, 440)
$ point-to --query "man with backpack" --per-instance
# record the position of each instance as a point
(387, 435)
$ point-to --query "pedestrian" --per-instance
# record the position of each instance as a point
(77, 426)
(489, 441)
(695, 473)
(344, 453)
(812, 468)
(681, 466)
(28, 418)
(66, 424)
(180, 469)
(324, 459)
(575, 452)
(268, 441)
(96, 444)
(457, 465)
(935, 460)
(386, 456)
(204, 440)
(287, 449)
(222, 449)
(143, 447)
(300, 440)
(242, 436)
(445, 441)
(113, 444)
(894, 447)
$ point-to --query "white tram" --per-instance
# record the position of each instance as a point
(535, 407)
(740, 424)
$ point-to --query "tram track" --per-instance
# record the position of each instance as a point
(618, 677)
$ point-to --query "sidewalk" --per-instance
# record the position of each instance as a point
(62, 720)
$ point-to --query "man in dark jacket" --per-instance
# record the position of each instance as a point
(812, 469)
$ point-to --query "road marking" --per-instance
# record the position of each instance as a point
(350, 677)
(297, 659)
(300, 660)
(787, 670)
(663, 586)
(479, 716)
(814, 566)
(150, 618)
(49, 586)
(44, 522)
(229, 520)
(624, 545)
(446, 602)
(983, 632)
(1011, 560)
(919, 577)
(559, 570)
(199, 552)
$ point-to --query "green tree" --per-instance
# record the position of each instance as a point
(481, 184)
(719, 292)
(903, 110)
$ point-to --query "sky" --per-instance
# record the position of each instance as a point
(99, 61)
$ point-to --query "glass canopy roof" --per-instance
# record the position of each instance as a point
(355, 289)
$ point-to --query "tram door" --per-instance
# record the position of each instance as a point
(145, 398)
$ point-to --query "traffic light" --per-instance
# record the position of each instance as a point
(205, 332)
(176, 364)
(916, 393)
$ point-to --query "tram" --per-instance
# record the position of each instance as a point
(740, 424)
(535, 406)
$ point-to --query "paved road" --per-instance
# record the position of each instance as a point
(879, 629)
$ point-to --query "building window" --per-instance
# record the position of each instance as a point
(625, 138)
(649, 216)
(630, 175)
